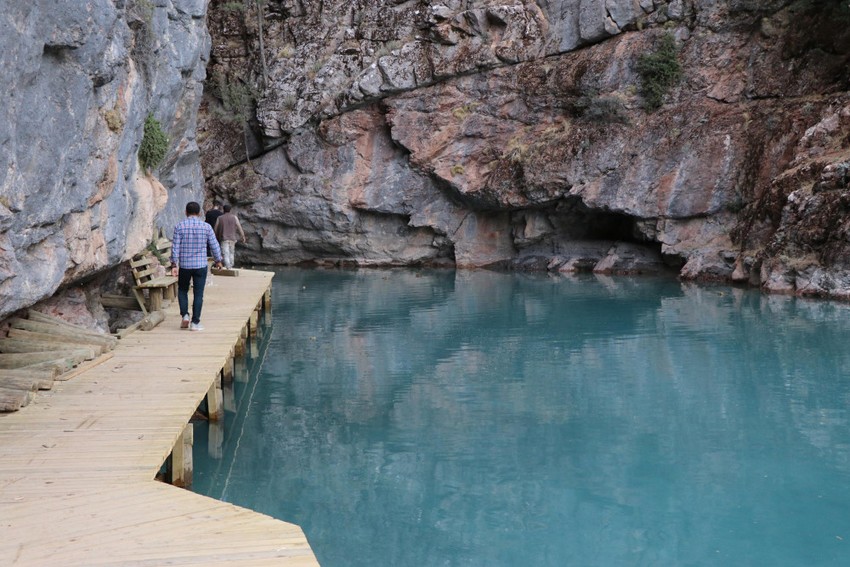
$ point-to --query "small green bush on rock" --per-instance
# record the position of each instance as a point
(154, 144)
(659, 71)
(602, 108)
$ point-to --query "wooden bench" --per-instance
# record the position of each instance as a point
(145, 268)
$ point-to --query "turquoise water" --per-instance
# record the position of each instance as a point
(481, 419)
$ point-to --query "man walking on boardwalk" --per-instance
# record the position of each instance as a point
(227, 228)
(189, 260)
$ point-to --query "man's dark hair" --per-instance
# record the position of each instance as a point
(216, 204)
(227, 208)
(192, 208)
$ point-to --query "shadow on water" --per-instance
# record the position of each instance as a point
(475, 418)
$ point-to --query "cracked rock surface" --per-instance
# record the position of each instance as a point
(78, 79)
(516, 134)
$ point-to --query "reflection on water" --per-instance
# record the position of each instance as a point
(480, 419)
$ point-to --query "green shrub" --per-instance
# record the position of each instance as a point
(237, 99)
(154, 144)
(602, 108)
(659, 71)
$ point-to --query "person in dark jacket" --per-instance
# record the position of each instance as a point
(213, 214)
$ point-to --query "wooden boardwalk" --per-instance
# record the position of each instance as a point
(77, 465)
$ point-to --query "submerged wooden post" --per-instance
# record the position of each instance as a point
(240, 370)
(228, 397)
(215, 441)
(181, 458)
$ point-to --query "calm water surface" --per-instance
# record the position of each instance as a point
(480, 419)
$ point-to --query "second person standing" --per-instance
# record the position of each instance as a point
(227, 229)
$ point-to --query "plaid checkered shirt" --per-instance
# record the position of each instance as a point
(189, 245)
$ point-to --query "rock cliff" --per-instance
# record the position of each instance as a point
(510, 133)
(521, 134)
(79, 78)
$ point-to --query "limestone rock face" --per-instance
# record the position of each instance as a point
(79, 78)
(516, 134)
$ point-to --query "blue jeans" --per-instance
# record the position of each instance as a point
(198, 277)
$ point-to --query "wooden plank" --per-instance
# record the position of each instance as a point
(31, 382)
(140, 298)
(127, 331)
(57, 330)
(25, 384)
(34, 315)
(86, 366)
(104, 342)
(142, 274)
(224, 272)
(141, 261)
(120, 302)
(13, 400)
(164, 281)
(14, 345)
(40, 317)
(20, 360)
(28, 372)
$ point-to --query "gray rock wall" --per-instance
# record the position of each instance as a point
(78, 79)
(514, 133)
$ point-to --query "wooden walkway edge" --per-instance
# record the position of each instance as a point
(77, 465)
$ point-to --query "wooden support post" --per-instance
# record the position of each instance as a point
(181, 458)
(239, 349)
(253, 322)
(214, 409)
(242, 347)
(171, 292)
(156, 299)
(119, 302)
(140, 298)
(267, 302)
(227, 371)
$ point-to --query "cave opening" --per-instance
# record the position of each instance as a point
(606, 225)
